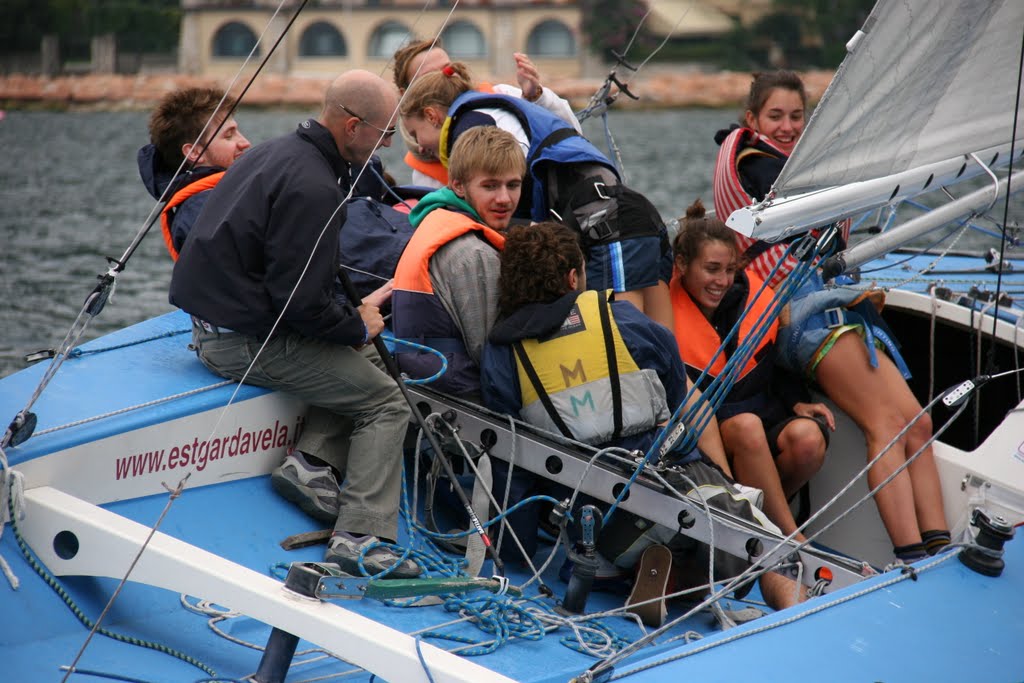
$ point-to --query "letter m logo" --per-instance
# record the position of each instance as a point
(575, 375)
(587, 400)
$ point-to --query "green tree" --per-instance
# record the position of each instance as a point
(140, 25)
(824, 25)
(610, 25)
(23, 23)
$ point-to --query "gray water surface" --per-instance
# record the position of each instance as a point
(70, 196)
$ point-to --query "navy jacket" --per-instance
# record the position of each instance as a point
(651, 345)
(156, 177)
(256, 234)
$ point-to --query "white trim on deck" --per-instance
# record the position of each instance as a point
(108, 542)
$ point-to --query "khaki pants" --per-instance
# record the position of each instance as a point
(356, 422)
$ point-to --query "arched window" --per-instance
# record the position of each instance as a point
(322, 40)
(463, 40)
(388, 37)
(551, 38)
(234, 39)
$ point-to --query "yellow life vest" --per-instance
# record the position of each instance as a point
(574, 380)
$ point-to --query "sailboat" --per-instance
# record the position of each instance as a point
(143, 542)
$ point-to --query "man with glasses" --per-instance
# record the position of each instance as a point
(257, 274)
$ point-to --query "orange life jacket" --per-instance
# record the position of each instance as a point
(418, 315)
(177, 199)
(697, 339)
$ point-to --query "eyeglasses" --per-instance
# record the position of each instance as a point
(388, 133)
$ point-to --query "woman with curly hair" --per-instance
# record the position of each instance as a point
(580, 363)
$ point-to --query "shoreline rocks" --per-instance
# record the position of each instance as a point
(664, 88)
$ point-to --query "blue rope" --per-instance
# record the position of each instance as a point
(678, 413)
(423, 662)
(715, 394)
(494, 520)
(77, 352)
(498, 616)
(420, 347)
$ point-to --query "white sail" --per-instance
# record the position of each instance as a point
(924, 84)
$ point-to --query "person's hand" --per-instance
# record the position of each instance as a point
(816, 410)
(528, 77)
(372, 319)
(381, 295)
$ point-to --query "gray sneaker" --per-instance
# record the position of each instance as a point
(314, 489)
(344, 551)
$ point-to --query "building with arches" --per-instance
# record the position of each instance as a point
(331, 36)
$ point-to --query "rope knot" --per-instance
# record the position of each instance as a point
(909, 570)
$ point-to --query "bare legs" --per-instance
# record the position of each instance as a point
(653, 301)
(710, 440)
(881, 403)
(802, 453)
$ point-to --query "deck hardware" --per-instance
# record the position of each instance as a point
(21, 428)
(987, 557)
(302, 580)
(686, 520)
(584, 558)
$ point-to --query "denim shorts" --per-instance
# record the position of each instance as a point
(629, 264)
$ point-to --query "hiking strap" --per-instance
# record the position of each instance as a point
(542, 394)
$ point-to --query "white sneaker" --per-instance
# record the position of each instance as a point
(754, 496)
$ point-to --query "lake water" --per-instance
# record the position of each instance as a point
(70, 196)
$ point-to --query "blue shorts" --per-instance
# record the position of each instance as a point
(820, 315)
(629, 264)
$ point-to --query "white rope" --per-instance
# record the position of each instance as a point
(137, 406)
(12, 495)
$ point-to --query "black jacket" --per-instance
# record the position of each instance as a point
(255, 235)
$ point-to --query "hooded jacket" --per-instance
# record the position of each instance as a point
(178, 220)
(651, 347)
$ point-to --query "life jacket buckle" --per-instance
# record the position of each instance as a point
(834, 317)
(596, 226)
(597, 189)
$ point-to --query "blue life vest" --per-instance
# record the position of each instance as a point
(552, 141)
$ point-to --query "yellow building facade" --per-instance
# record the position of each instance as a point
(329, 37)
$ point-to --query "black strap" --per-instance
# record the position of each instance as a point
(613, 363)
(758, 248)
(545, 400)
(552, 139)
